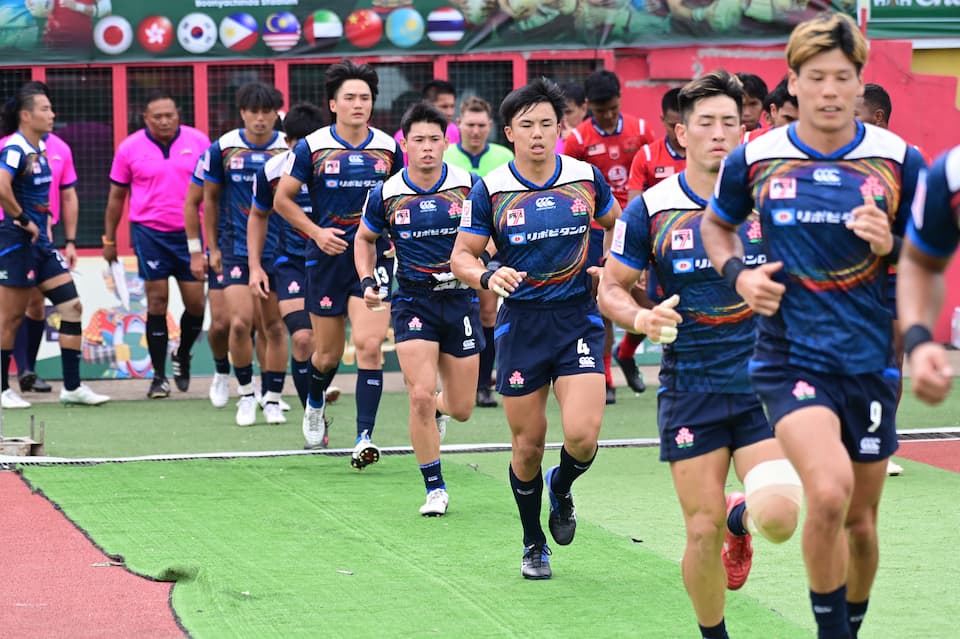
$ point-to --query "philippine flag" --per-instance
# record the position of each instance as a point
(281, 31)
(197, 32)
(445, 26)
(239, 32)
(322, 28)
(113, 35)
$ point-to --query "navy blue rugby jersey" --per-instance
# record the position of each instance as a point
(935, 224)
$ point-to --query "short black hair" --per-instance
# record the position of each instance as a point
(753, 85)
(158, 94)
(670, 101)
(715, 83)
(433, 88)
(302, 119)
(259, 96)
(523, 99)
(422, 112)
(779, 96)
(574, 92)
(601, 86)
(877, 97)
(345, 70)
(22, 100)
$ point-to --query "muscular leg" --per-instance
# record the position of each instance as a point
(13, 304)
(862, 537)
(527, 418)
(158, 293)
(369, 329)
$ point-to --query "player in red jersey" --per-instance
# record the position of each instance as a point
(70, 23)
(608, 140)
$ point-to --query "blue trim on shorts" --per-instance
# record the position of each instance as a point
(501, 330)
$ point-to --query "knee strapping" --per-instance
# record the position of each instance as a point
(297, 321)
(66, 292)
(766, 486)
(69, 328)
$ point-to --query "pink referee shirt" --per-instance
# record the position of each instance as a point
(158, 176)
(60, 158)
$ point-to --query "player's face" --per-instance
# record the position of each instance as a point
(474, 130)
(752, 108)
(353, 103)
(670, 120)
(782, 116)
(424, 146)
(607, 113)
(258, 122)
(826, 87)
(447, 103)
(573, 113)
(863, 112)
(39, 118)
(534, 132)
(162, 119)
(711, 131)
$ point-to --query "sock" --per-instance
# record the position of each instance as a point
(222, 366)
(718, 631)
(274, 381)
(244, 376)
(190, 328)
(20, 348)
(157, 343)
(432, 475)
(5, 373)
(301, 378)
(735, 520)
(35, 331)
(70, 361)
(318, 385)
(487, 356)
(856, 611)
(568, 471)
(369, 390)
(830, 611)
(628, 345)
(529, 496)
(607, 371)
(264, 380)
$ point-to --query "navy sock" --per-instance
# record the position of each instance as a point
(301, 378)
(190, 329)
(432, 475)
(369, 390)
(35, 331)
(222, 366)
(275, 381)
(735, 519)
(830, 611)
(264, 380)
(319, 381)
(856, 611)
(70, 361)
(157, 343)
(5, 373)
(718, 631)
(568, 471)
(244, 374)
(487, 356)
(20, 348)
(529, 497)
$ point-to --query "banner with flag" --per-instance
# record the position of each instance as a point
(49, 31)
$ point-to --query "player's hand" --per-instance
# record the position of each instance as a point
(109, 253)
(759, 291)
(660, 322)
(329, 240)
(70, 254)
(871, 225)
(259, 283)
(505, 280)
(930, 372)
(30, 229)
(373, 297)
(215, 259)
(198, 266)
(391, 252)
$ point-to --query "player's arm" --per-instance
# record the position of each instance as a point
(69, 213)
(211, 218)
(257, 224)
(191, 226)
(371, 228)
(636, 182)
(10, 205)
(116, 200)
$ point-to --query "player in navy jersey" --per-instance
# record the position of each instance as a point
(339, 164)
(932, 236)
(831, 192)
(436, 319)
(28, 258)
(708, 414)
(234, 160)
(538, 209)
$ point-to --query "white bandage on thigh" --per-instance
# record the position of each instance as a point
(766, 484)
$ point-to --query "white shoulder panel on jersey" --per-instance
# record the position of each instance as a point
(772, 145)
(231, 140)
(323, 139)
(279, 142)
(953, 169)
(502, 180)
(274, 166)
(21, 142)
(572, 170)
(668, 195)
(456, 177)
(382, 140)
(879, 143)
(395, 186)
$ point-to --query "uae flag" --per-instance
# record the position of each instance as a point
(322, 28)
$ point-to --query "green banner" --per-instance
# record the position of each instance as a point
(46, 31)
(914, 19)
